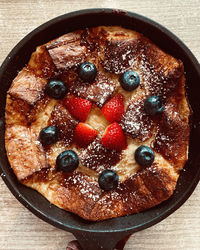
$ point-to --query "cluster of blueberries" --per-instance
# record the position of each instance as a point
(68, 160)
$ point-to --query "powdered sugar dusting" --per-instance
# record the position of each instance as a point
(172, 136)
(136, 122)
(87, 186)
(98, 92)
(121, 55)
(66, 124)
(154, 81)
(98, 158)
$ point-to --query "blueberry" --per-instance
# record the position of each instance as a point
(49, 135)
(56, 89)
(108, 180)
(87, 71)
(153, 105)
(67, 161)
(130, 80)
(134, 136)
(144, 156)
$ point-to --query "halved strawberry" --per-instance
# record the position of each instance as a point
(84, 134)
(78, 107)
(114, 109)
(113, 137)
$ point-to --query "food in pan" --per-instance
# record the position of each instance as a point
(98, 122)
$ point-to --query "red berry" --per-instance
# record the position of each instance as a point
(114, 109)
(84, 134)
(78, 107)
(113, 137)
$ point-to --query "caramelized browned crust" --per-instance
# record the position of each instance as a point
(80, 193)
(27, 86)
(98, 158)
(136, 122)
(113, 50)
(172, 137)
(66, 51)
(62, 119)
(24, 151)
(98, 92)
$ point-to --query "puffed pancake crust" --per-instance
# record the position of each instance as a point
(113, 50)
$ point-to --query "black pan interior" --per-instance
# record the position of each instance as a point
(189, 178)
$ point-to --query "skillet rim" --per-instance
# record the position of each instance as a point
(45, 216)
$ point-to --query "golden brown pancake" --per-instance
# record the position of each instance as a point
(113, 50)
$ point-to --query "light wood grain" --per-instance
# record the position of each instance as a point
(19, 229)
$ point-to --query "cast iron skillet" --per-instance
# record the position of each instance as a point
(103, 235)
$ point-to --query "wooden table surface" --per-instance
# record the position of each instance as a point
(19, 228)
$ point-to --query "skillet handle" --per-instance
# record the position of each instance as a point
(101, 241)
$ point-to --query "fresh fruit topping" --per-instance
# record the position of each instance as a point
(108, 180)
(153, 105)
(130, 80)
(87, 71)
(49, 135)
(84, 134)
(114, 109)
(67, 161)
(56, 89)
(113, 137)
(78, 107)
(144, 156)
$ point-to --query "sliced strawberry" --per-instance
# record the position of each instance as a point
(113, 137)
(114, 109)
(78, 107)
(84, 134)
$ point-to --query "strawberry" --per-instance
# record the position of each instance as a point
(113, 137)
(78, 107)
(84, 134)
(114, 109)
